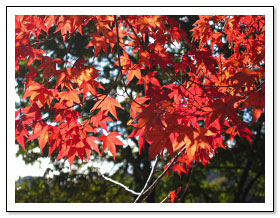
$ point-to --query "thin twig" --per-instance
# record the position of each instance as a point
(118, 45)
(120, 67)
(213, 86)
(186, 187)
(139, 40)
(54, 37)
(164, 199)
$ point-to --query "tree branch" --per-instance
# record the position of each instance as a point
(149, 180)
(119, 184)
(163, 200)
(146, 193)
(186, 187)
(120, 67)
(242, 181)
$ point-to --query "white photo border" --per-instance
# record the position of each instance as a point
(268, 11)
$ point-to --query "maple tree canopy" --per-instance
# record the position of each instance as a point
(189, 100)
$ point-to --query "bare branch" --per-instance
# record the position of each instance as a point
(149, 180)
(119, 184)
(146, 193)
(164, 199)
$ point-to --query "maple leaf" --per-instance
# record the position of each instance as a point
(20, 133)
(240, 130)
(87, 75)
(200, 142)
(43, 138)
(49, 66)
(150, 21)
(245, 76)
(224, 109)
(107, 104)
(40, 131)
(257, 112)
(132, 70)
(147, 118)
(149, 78)
(193, 140)
(88, 127)
(179, 168)
(86, 81)
(110, 141)
(70, 97)
(103, 23)
(205, 56)
(131, 73)
(181, 136)
(38, 92)
(36, 131)
(99, 42)
(125, 62)
(200, 138)
(158, 140)
(91, 86)
(177, 92)
(257, 101)
(141, 140)
(91, 141)
(33, 112)
(100, 120)
(17, 112)
(172, 195)
(136, 105)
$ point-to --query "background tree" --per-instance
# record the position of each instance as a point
(214, 75)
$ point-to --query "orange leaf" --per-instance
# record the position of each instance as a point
(107, 104)
(70, 96)
(44, 136)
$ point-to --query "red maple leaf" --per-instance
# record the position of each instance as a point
(110, 141)
(39, 93)
(179, 168)
(136, 105)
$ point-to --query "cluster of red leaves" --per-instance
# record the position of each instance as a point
(173, 195)
(201, 88)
